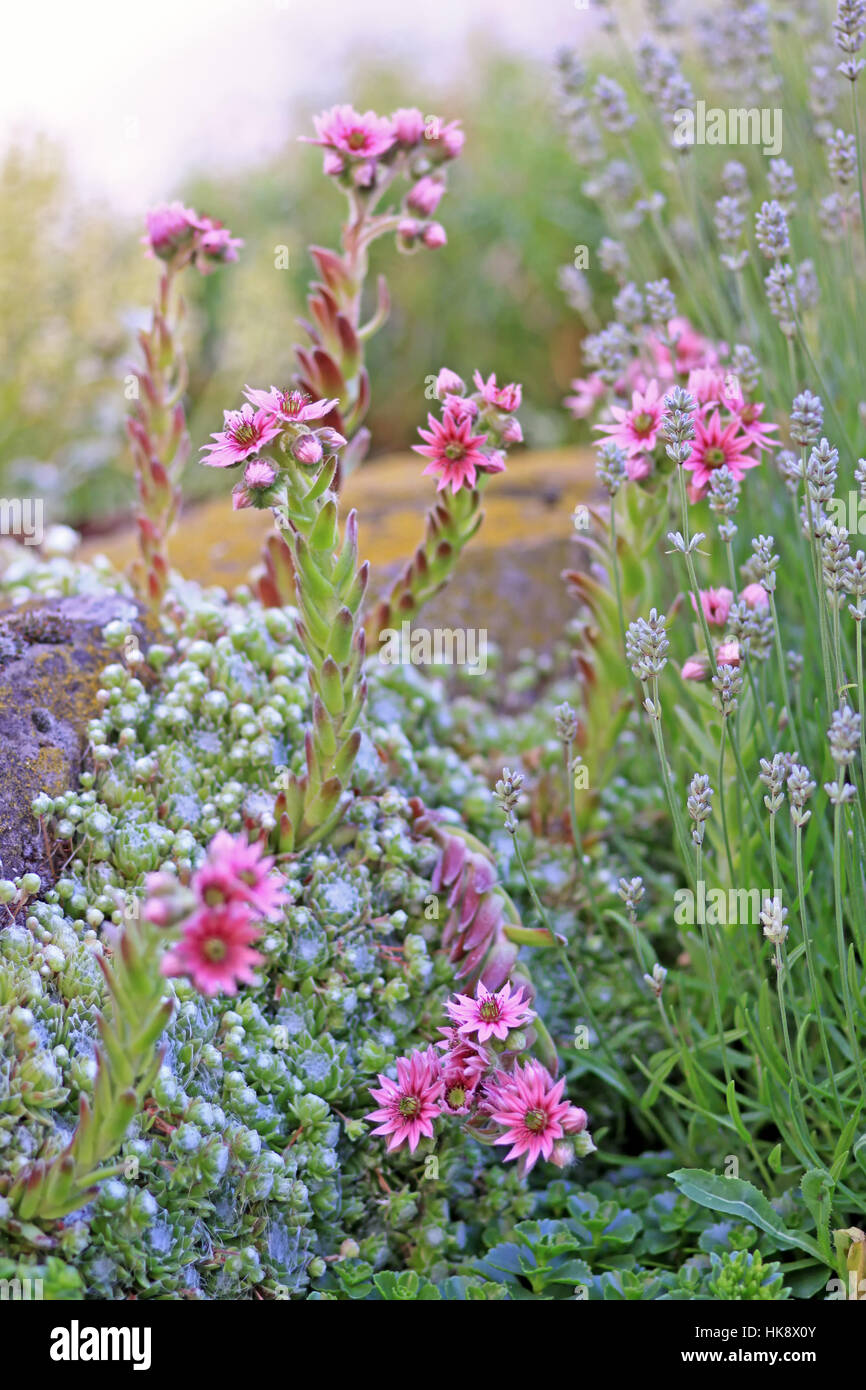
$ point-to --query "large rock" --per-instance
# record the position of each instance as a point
(51, 654)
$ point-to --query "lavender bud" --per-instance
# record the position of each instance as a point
(631, 890)
(660, 302)
(765, 563)
(656, 980)
(699, 804)
(613, 105)
(822, 472)
(849, 30)
(781, 297)
(744, 366)
(843, 735)
(807, 417)
(613, 258)
(610, 467)
(773, 916)
(507, 794)
(565, 720)
(842, 157)
(782, 184)
(628, 306)
(728, 684)
(735, 180)
(646, 645)
(800, 788)
(771, 230)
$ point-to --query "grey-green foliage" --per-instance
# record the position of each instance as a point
(251, 1162)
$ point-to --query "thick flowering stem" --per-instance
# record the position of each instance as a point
(128, 1061)
(467, 444)
(451, 523)
(159, 438)
(330, 588)
(157, 428)
(365, 155)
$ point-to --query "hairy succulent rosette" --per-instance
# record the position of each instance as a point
(214, 949)
(490, 1015)
(530, 1104)
(408, 1106)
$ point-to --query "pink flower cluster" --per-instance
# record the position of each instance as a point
(474, 430)
(364, 151)
(233, 892)
(717, 604)
(478, 1077)
(728, 428)
(264, 417)
(179, 236)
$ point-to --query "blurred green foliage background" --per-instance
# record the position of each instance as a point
(74, 286)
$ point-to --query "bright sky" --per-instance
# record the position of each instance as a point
(141, 91)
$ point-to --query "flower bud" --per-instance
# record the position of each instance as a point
(426, 196)
(448, 383)
(260, 473)
(434, 236)
(511, 432)
(407, 124)
(307, 449)
(408, 231)
(583, 1144)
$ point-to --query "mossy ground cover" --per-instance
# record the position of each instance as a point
(250, 1171)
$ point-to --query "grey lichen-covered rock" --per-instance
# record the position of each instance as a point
(51, 654)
